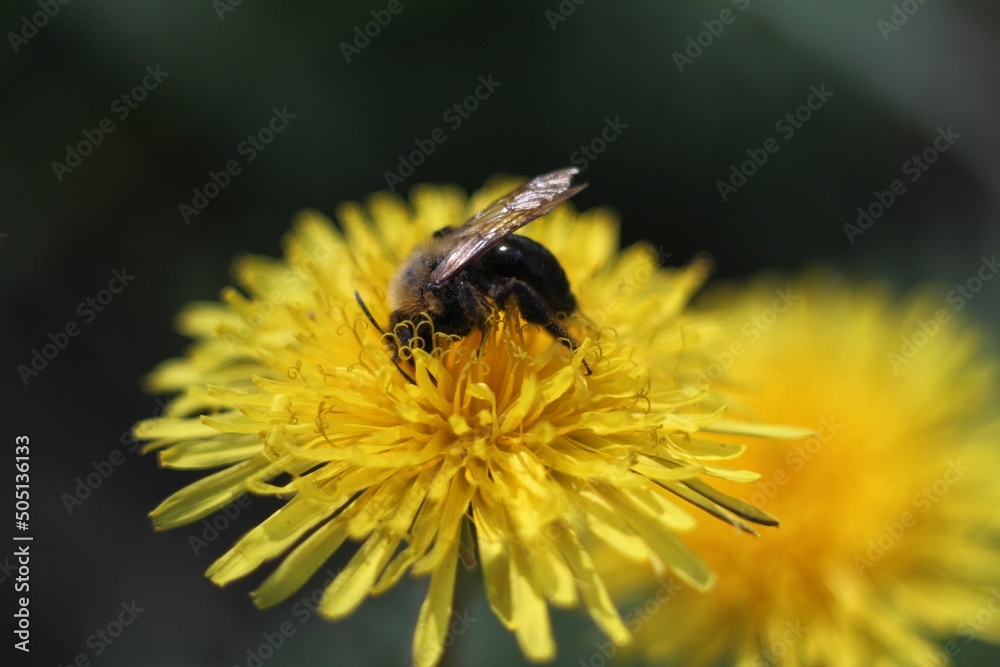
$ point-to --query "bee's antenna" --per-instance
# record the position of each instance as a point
(395, 362)
(368, 313)
(371, 318)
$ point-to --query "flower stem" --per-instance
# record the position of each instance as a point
(459, 607)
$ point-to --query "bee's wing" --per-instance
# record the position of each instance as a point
(505, 216)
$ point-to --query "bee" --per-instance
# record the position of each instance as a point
(458, 279)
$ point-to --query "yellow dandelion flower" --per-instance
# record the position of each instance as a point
(505, 450)
(890, 531)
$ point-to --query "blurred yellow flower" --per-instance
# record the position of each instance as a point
(503, 448)
(890, 515)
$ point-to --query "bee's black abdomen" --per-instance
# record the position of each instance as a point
(530, 262)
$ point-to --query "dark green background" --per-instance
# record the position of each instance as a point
(119, 208)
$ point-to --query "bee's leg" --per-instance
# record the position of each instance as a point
(485, 316)
(484, 311)
(535, 310)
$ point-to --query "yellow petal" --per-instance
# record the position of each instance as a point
(757, 430)
(435, 612)
(210, 493)
(300, 564)
(530, 615)
(595, 595)
(225, 449)
(269, 539)
(494, 554)
(664, 543)
(354, 582)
